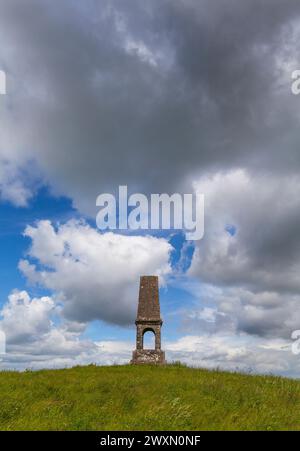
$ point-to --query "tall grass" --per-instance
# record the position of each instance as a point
(173, 397)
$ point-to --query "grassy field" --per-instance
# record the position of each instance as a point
(146, 398)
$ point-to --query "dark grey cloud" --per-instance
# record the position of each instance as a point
(148, 94)
(237, 311)
(264, 253)
(254, 274)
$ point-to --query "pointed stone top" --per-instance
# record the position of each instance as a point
(148, 308)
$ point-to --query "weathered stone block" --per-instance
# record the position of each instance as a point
(148, 356)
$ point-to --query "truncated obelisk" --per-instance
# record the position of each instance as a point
(148, 319)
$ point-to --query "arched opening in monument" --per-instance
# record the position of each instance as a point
(148, 339)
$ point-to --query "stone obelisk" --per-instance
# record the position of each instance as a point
(148, 319)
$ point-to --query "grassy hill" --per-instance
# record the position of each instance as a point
(146, 398)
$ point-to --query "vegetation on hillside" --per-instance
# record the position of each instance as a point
(127, 397)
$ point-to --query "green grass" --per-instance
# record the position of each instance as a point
(146, 398)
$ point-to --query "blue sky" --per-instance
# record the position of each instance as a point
(14, 245)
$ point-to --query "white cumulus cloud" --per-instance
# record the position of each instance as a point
(95, 275)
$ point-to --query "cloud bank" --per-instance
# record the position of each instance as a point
(147, 94)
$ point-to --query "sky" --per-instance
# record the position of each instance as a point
(163, 96)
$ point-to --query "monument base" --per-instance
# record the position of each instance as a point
(148, 356)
